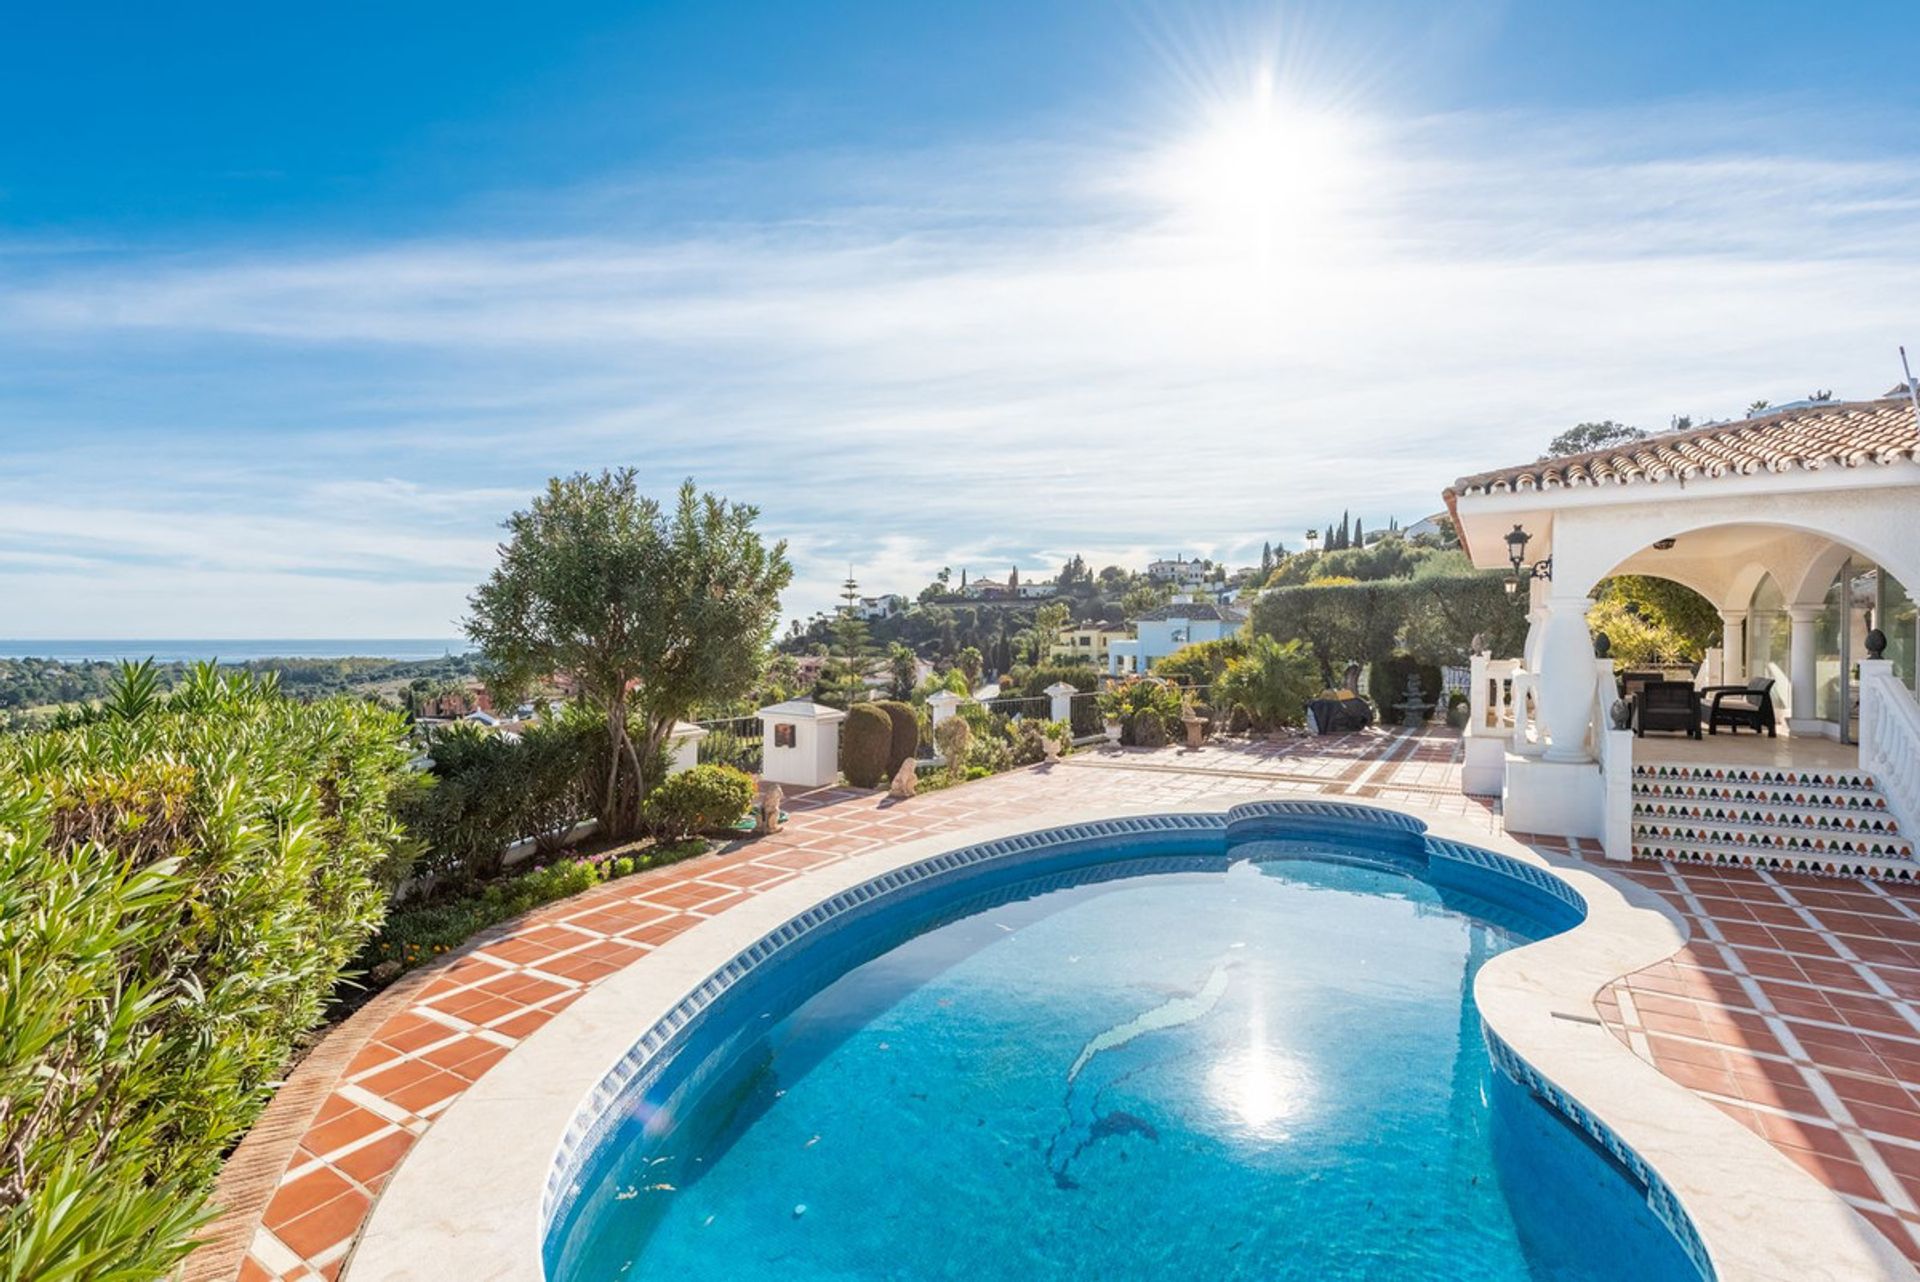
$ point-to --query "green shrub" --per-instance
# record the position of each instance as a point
(703, 799)
(1202, 663)
(1030, 739)
(954, 738)
(1387, 685)
(1273, 682)
(490, 791)
(905, 744)
(1136, 703)
(182, 880)
(866, 740)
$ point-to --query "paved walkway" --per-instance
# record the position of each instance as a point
(298, 1189)
(1795, 1008)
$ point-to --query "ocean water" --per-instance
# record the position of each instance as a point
(193, 650)
(1275, 1071)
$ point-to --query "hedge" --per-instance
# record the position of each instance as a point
(1434, 617)
(866, 741)
(905, 743)
(183, 879)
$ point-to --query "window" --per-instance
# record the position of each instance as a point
(784, 734)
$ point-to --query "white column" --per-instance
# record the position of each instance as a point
(1536, 623)
(1062, 695)
(683, 746)
(1733, 650)
(1801, 700)
(944, 704)
(1566, 678)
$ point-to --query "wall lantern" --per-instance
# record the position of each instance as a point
(1517, 541)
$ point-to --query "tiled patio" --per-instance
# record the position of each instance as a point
(298, 1190)
(1792, 1009)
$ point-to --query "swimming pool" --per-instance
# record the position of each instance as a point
(1222, 1046)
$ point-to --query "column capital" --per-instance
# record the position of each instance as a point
(1805, 613)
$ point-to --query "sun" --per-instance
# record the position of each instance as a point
(1261, 171)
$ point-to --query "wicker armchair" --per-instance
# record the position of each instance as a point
(1750, 705)
(1667, 705)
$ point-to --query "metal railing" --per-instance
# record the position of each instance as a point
(733, 741)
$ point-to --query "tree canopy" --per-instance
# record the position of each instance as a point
(1582, 437)
(638, 607)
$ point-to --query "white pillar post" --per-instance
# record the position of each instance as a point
(683, 746)
(1536, 623)
(1801, 700)
(1566, 678)
(944, 704)
(1871, 712)
(1062, 695)
(1733, 650)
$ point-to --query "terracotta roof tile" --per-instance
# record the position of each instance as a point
(1811, 437)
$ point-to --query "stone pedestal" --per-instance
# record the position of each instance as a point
(1553, 798)
(800, 744)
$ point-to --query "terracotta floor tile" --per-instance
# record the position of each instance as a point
(297, 1197)
(371, 1163)
(325, 1226)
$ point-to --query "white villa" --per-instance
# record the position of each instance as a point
(1803, 527)
(1179, 570)
(1158, 633)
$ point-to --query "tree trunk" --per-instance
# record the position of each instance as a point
(615, 817)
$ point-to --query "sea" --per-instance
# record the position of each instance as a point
(233, 650)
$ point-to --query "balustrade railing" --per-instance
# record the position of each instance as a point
(1890, 742)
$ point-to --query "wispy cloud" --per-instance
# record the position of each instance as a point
(974, 357)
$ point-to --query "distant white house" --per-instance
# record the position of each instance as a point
(1430, 526)
(1038, 588)
(1161, 632)
(1179, 570)
(884, 606)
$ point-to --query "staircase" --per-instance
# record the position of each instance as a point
(1825, 822)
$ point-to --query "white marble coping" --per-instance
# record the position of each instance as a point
(466, 1202)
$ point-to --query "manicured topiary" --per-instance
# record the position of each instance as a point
(703, 799)
(866, 742)
(905, 744)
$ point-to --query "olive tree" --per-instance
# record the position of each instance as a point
(649, 612)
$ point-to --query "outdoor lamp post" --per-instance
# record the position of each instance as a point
(1517, 540)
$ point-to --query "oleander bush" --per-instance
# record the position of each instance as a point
(703, 799)
(866, 740)
(183, 878)
(492, 790)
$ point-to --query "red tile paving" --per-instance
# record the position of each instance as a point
(297, 1192)
(1793, 1010)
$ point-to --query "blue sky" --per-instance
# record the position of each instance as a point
(296, 305)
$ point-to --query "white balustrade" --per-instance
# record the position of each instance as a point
(1613, 749)
(1890, 741)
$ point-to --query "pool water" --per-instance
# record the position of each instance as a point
(1263, 1069)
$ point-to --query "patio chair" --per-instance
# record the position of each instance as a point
(1632, 683)
(1667, 705)
(1750, 705)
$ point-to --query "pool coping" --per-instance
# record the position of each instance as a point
(467, 1202)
